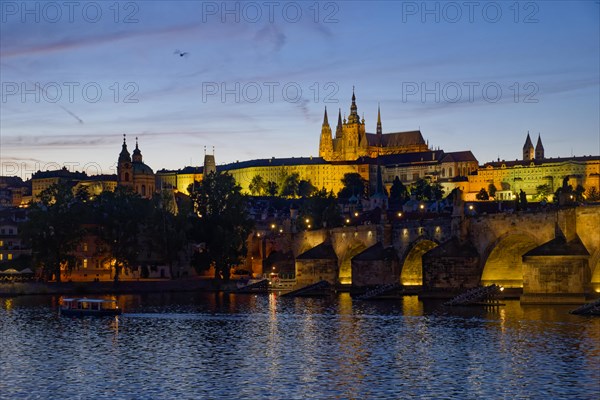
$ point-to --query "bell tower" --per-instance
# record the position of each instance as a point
(124, 167)
(326, 142)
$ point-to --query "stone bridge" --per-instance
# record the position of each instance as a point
(500, 241)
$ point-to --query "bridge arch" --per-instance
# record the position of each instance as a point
(502, 260)
(345, 274)
(412, 261)
(595, 270)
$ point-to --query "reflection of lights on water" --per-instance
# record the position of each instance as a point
(8, 304)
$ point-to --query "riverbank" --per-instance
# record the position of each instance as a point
(86, 288)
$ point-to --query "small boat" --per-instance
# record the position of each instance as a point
(81, 307)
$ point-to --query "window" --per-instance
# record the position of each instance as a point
(85, 263)
(85, 246)
(126, 176)
(1, 243)
(143, 190)
(9, 256)
(1, 256)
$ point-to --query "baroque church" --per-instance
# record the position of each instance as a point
(351, 140)
(132, 172)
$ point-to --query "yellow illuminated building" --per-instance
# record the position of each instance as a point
(510, 177)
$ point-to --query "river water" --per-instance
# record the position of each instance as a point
(224, 346)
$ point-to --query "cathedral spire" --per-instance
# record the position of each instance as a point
(353, 117)
(528, 150)
(338, 128)
(325, 121)
(379, 130)
(539, 149)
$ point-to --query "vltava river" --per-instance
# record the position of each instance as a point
(220, 346)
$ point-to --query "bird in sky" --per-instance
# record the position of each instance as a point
(181, 53)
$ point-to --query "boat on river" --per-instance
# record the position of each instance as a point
(81, 307)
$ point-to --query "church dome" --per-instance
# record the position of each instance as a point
(142, 169)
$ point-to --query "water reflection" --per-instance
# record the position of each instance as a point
(216, 345)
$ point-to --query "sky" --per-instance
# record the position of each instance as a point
(252, 79)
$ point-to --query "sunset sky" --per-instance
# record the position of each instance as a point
(77, 76)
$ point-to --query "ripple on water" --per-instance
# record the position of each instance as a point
(204, 346)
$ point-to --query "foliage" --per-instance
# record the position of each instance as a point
(257, 186)
(543, 192)
(53, 229)
(492, 190)
(482, 195)
(354, 184)
(290, 185)
(120, 216)
(321, 209)
(398, 193)
(221, 223)
(422, 189)
(272, 188)
(306, 188)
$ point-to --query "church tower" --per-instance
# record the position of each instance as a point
(354, 142)
(528, 150)
(124, 167)
(379, 131)
(137, 154)
(326, 142)
(210, 166)
(539, 149)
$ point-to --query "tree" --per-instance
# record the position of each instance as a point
(542, 192)
(306, 188)
(398, 192)
(482, 195)
(166, 229)
(221, 223)
(492, 190)
(522, 200)
(272, 188)
(290, 185)
(423, 190)
(354, 185)
(120, 216)
(53, 230)
(321, 209)
(257, 186)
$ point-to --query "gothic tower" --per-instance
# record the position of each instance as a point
(539, 149)
(528, 150)
(354, 142)
(379, 131)
(326, 142)
(210, 166)
(124, 167)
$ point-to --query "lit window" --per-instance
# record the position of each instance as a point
(1, 256)
(9, 256)
(85, 262)
(85, 247)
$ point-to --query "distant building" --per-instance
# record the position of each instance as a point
(132, 172)
(534, 170)
(405, 155)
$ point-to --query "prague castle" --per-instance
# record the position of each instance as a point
(403, 155)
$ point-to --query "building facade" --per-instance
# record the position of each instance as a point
(133, 173)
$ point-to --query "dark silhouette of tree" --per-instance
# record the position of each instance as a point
(53, 230)
(221, 223)
(398, 193)
(257, 186)
(522, 199)
(272, 188)
(120, 216)
(321, 210)
(290, 185)
(482, 195)
(306, 188)
(492, 190)
(354, 185)
(423, 190)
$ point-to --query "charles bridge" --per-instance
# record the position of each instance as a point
(553, 254)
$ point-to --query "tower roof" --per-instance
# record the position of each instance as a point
(325, 120)
(124, 155)
(528, 144)
(539, 145)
